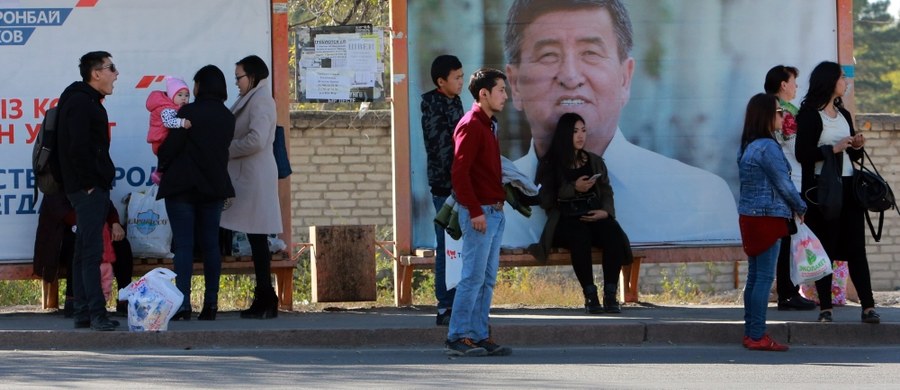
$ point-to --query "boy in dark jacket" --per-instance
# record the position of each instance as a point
(441, 110)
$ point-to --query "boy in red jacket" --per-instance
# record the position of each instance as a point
(477, 182)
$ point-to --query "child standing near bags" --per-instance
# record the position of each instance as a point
(163, 107)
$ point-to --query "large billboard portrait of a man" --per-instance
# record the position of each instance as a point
(661, 86)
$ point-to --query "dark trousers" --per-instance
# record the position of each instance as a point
(579, 237)
(90, 212)
(783, 284)
(196, 221)
(262, 260)
(844, 239)
(122, 268)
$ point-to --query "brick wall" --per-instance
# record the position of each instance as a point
(342, 175)
(883, 145)
(342, 169)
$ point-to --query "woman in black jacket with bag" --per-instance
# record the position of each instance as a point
(825, 131)
(576, 193)
(196, 185)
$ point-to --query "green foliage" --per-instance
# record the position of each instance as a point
(680, 288)
(20, 292)
(519, 278)
(338, 12)
(876, 36)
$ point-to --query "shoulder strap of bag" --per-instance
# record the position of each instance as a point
(876, 236)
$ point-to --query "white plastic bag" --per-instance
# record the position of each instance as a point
(152, 300)
(809, 262)
(240, 244)
(453, 254)
(148, 225)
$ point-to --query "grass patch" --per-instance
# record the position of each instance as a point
(520, 286)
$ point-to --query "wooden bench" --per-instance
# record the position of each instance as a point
(643, 254)
(283, 266)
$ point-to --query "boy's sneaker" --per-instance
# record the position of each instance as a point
(443, 319)
(464, 347)
(493, 349)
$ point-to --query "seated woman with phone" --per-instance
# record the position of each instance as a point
(578, 198)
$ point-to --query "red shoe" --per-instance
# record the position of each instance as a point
(746, 342)
(766, 344)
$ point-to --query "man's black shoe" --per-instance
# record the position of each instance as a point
(104, 325)
(443, 319)
(796, 302)
(82, 324)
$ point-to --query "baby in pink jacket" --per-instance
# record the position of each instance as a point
(163, 107)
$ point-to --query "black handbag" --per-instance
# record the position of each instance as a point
(829, 186)
(873, 194)
(580, 205)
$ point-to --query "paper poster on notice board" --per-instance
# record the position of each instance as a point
(340, 64)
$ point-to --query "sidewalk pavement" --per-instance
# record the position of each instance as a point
(414, 327)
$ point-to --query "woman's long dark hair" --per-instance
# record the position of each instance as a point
(822, 82)
(211, 83)
(562, 154)
(759, 119)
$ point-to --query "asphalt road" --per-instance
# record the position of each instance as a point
(647, 366)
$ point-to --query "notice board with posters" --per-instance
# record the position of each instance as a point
(664, 107)
(41, 42)
(340, 63)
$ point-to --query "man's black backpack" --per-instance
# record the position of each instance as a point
(44, 157)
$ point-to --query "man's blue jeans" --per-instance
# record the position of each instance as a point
(196, 221)
(444, 297)
(90, 215)
(481, 259)
(760, 274)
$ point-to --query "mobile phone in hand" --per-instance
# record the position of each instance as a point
(595, 177)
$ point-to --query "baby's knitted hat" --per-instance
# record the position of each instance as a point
(173, 85)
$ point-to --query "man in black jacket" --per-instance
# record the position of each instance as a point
(87, 174)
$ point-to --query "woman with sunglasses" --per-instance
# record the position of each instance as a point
(767, 200)
(825, 127)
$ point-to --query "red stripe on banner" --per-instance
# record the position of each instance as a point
(86, 3)
(145, 82)
(160, 78)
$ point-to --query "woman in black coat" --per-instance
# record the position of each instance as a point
(196, 185)
(825, 130)
(568, 172)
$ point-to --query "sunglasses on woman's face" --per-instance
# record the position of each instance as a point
(779, 111)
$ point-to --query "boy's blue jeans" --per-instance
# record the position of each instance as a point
(444, 297)
(481, 259)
